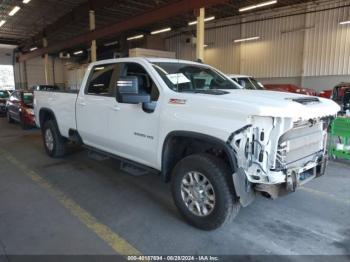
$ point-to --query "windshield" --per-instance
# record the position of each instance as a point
(249, 83)
(182, 77)
(4, 94)
(28, 98)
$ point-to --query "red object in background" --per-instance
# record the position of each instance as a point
(19, 108)
(326, 93)
(291, 89)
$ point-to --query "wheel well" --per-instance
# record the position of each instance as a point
(179, 146)
(46, 115)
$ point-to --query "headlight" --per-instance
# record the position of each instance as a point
(29, 111)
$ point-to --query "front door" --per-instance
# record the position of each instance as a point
(134, 130)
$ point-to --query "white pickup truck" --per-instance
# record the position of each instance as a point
(217, 143)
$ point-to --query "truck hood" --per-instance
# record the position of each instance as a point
(270, 103)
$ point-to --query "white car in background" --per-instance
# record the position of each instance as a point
(247, 82)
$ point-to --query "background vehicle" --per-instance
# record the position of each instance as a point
(191, 124)
(45, 88)
(4, 95)
(291, 89)
(247, 82)
(341, 95)
(19, 108)
(326, 93)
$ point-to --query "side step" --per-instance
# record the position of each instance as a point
(132, 169)
(97, 156)
(126, 165)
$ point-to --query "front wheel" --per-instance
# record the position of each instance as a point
(203, 192)
(55, 145)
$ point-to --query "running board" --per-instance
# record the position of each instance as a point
(132, 169)
(126, 165)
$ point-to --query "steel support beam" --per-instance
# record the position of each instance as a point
(170, 10)
(46, 62)
(92, 23)
(200, 35)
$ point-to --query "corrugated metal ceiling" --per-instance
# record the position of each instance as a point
(39, 16)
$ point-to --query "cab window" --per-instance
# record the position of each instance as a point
(146, 84)
(100, 80)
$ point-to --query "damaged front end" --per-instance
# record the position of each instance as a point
(277, 155)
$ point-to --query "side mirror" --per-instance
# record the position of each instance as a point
(128, 91)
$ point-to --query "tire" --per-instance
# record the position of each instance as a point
(55, 145)
(8, 117)
(226, 205)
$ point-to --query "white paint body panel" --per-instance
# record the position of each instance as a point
(111, 126)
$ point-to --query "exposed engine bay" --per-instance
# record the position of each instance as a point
(276, 155)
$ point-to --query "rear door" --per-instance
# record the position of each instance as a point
(94, 106)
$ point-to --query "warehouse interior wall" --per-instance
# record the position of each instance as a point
(32, 72)
(309, 48)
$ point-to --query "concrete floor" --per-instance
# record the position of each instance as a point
(313, 221)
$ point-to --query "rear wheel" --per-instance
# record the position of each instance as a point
(55, 145)
(203, 192)
(8, 117)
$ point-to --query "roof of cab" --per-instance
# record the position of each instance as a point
(146, 59)
(238, 76)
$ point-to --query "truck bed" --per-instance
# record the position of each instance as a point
(62, 103)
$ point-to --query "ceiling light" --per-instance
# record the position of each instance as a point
(14, 11)
(135, 37)
(345, 22)
(26, 1)
(210, 18)
(78, 52)
(161, 31)
(111, 43)
(258, 5)
(33, 48)
(2, 22)
(247, 39)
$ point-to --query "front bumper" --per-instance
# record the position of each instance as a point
(294, 178)
(300, 176)
(29, 120)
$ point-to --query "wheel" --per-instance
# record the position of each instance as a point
(8, 117)
(203, 192)
(55, 145)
